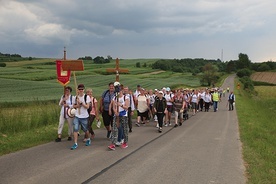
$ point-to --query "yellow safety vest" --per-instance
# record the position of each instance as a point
(215, 96)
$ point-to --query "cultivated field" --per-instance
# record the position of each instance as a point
(269, 77)
(36, 80)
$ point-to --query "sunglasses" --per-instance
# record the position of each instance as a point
(80, 89)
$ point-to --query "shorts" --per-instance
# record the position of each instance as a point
(194, 105)
(83, 122)
(170, 108)
(107, 119)
(143, 114)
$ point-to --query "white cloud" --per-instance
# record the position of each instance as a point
(145, 28)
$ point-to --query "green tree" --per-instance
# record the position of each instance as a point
(244, 72)
(210, 75)
(138, 64)
(243, 61)
(264, 67)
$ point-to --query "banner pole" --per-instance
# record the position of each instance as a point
(75, 81)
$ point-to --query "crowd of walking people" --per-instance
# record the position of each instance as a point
(118, 104)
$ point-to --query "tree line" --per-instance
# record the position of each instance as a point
(212, 69)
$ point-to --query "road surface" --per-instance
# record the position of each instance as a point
(205, 149)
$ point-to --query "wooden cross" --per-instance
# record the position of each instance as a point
(117, 70)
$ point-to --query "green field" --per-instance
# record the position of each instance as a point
(256, 115)
(37, 80)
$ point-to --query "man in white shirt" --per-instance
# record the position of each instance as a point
(81, 117)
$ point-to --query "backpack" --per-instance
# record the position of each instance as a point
(71, 96)
(90, 104)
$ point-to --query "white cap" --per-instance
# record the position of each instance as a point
(117, 83)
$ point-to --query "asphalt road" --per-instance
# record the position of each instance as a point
(205, 149)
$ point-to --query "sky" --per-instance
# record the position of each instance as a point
(128, 29)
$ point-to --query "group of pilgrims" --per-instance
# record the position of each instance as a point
(118, 104)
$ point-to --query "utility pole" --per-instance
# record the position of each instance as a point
(222, 55)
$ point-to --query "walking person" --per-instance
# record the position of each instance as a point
(131, 107)
(160, 108)
(201, 101)
(120, 105)
(105, 110)
(142, 104)
(169, 97)
(207, 100)
(194, 101)
(93, 112)
(66, 103)
(215, 99)
(151, 102)
(179, 106)
(231, 100)
(81, 118)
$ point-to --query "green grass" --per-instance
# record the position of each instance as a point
(256, 115)
(36, 80)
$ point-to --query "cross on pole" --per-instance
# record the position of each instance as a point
(117, 70)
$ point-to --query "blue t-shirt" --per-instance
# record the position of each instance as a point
(107, 97)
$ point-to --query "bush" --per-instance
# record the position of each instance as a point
(244, 72)
(3, 65)
(247, 83)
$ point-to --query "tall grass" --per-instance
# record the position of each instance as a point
(25, 118)
(23, 125)
(257, 115)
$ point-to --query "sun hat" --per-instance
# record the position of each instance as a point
(71, 112)
(161, 92)
(168, 89)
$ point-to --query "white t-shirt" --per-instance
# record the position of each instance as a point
(142, 103)
(82, 112)
(69, 101)
(122, 101)
(207, 98)
(169, 97)
(194, 98)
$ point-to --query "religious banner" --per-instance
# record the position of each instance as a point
(63, 76)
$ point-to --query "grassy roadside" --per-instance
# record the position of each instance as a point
(256, 115)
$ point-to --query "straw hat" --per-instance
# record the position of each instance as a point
(71, 112)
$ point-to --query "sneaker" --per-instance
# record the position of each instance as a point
(130, 130)
(180, 124)
(88, 142)
(69, 139)
(118, 143)
(160, 130)
(58, 140)
(111, 147)
(84, 140)
(166, 124)
(74, 146)
(137, 124)
(170, 124)
(176, 125)
(157, 125)
(124, 145)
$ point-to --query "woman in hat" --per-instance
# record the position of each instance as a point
(66, 103)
